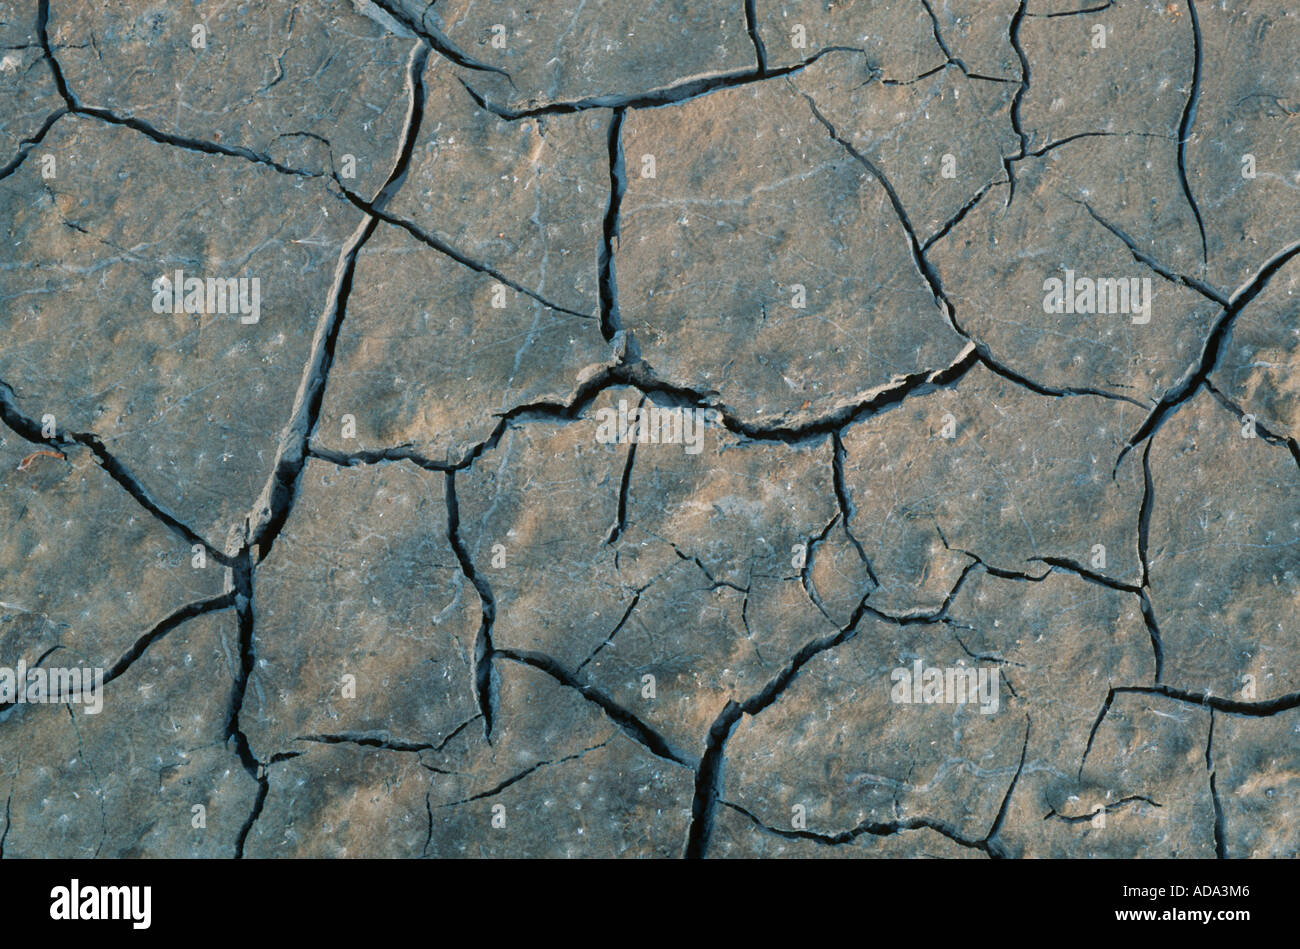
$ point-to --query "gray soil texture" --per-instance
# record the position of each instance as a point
(675, 428)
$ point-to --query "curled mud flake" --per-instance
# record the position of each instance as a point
(30, 460)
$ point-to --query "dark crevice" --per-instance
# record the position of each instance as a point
(278, 496)
(772, 691)
(1256, 284)
(119, 473)
(625, 483)
(639, 375)
(609, 638)
(1217, 702)
(8, 823)
(1198, 374)
(456, 731)
(805, 574)
(714, 583)
(1185, 129)
(437, 39)
(30, 430)
(410, 127)
(997, 368)
(940, 615)
(1144, 516)
(794, 432)
(636, 729)
(272, 508)
(259, 802)
(950, 59)
(497, 789)
(1273, 438)
(938, 36)
(1013, 34)
(1144, 543)
(1092, 732)
(956, 219)
(875, 74)
(709, 774)
(75, 106)
(484, 693)
(1284, 703)
(1052, 146)
(1220, 824)
(436, 770)
(428, 837)
(189, 611)
(367, 740)
(751, 26)
(995, 849)
(1142, 592)
(26, 145)
(375, 210)
(708, 782)
(192, 144)
(377, 456)
(1105, 809)
(845, 502)
(976, 560)
(1047, 16)
(1209, 745)
(43, 31)
(6, 706)
(989, 845)
(1092, 576)
(927, 272)
(610, 323)
(1077, 136)
(1153, 630)
(516, 778)
(867, 828)
(242, 575)
(984, 78)
(547, 409)
(986, 656)
(1192, 283)
(931, 277)
(654, 98)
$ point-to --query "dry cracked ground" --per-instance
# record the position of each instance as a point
(677, 428)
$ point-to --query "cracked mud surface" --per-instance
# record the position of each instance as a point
(366, 579)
